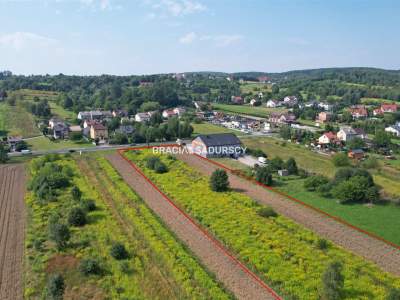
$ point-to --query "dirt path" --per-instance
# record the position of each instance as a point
(12, 222)
(233, 275)
(384, 255)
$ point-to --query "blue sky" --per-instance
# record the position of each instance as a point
(164, 36)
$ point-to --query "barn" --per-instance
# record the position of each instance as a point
(217, 145)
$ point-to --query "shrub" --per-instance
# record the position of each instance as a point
(55, 287)
(264, 175)
(291, 166)
(276, 163)
(394, 294)
(354, 189)
(76, 193)
(160, 167)
(322, 244)
(313, 182)
(118, 251)
(60, 234)
(332, 282)
(370, 163)
(219, 181)
(340, 160)
(77, 217)
(151, 162)
(88, 205)
(267, 212)
(89, 267)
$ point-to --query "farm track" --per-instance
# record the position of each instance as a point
(235, 277)
(12, 224)
(372, 249)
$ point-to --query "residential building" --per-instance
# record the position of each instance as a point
(282, 118)
(94, 115)
(217, 145)
(54, 121)
(60, 131)
(377, 112)
(324, 117)
(325, 106)
(360, 133)
(358, 112)
(356, 154)
(120, 113)
(237, 99)
(346, 134)
(98, 131)
(389, 108)
(168, 113)
(394, 129)
(142, 117)
(12, 141)
(179, 110)
(272, 103)
(327, 138)
(290, 101)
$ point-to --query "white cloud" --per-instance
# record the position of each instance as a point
(22, 40)
(177, 8)
(188, 38)
(218, 40)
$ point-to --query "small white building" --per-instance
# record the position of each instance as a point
(142, 117)
(394, 129)
(272, 103)
(346, 134)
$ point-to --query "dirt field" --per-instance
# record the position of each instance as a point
(12, 220)
(227, 270)
(385, 256)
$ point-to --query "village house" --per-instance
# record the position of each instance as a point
(60, 131)
(360, 133)
(217, 145)
(394, 129)
(356, 154)
(389, 108)
(272, 103)
(94, 115)
(142, 117)
(346, 134)
(254, 102)
(54, 121)
(358, 112)
(98, 132)
(325, 106)
(237, 100)
(168, 113)
(281, 118)
(377, 112)
(290, 101)
(327, 138)
(12, 141)
(120, 113)
(324, 117)
(179, 111)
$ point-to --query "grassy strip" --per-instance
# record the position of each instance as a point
(163, 245)
(262, 112)
(283, 252)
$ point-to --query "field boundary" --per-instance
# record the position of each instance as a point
(205, 232)
(340, 220)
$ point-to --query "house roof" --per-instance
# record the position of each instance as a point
(330, 135)
(359, 111)
(357, 151)
(219, 139)
(98, 126)
(348, 130)
(389, 107)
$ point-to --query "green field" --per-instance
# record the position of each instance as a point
(375, 101)
(62, 113)
(154, 254)
(254, 88)
(43, 143)
(285, 254)
(207, 128)
(257, 111)
(15, 120)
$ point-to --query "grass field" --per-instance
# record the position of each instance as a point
(254, 88)
(257, 111)
(42, 143)
(15, 120)
(282, 252)
(62, 113)
(375, 101)
(306, 159)
(383, 220)
(207, 128)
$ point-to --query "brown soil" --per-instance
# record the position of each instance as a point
(12, 223)
(384, 255)
(216, 259)
(61, 263)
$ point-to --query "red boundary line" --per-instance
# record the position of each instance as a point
(340, 220)
(211, 238)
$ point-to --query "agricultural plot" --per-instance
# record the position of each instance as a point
(207, 128)
(285, 254)
(156, 266)
(257, 111)
(12, 220)
(15, 120)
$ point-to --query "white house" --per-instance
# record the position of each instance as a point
(142, 117)
(327, 138)
(394, 129)
(54, 121)
(290, 100)
(325, 106)
(346, 134)
(179, 110)
(272, 103)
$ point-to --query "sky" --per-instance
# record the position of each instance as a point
(124, 37)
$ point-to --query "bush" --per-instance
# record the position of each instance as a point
(118, 251)
(340, 160)
(322, 244)
(151, 162)
(267, 212)
(357, 189)
(370, 163)
(276, 163)
(394, 294)
(313, 182)
(219, 181)
(264, 175)
(76, 193)
(60, 234)
(333, 282)
(55, 287)
(291, 166)
(89, 267)
(77, 217)
(160, 167)
(88, 205)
